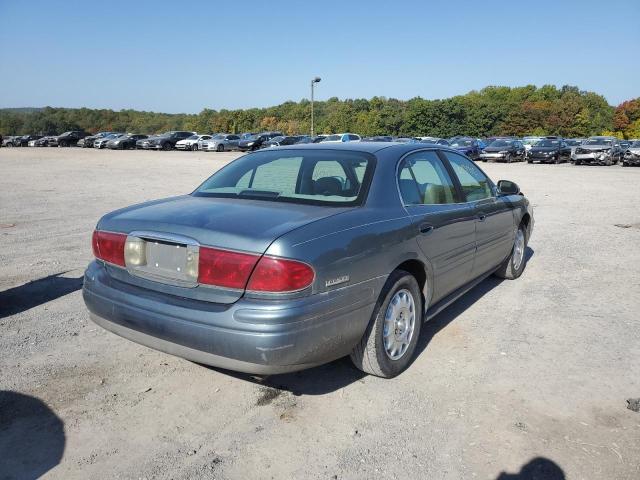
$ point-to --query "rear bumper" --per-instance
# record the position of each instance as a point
(252, 336)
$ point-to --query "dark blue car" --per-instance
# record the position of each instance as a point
(471, 147)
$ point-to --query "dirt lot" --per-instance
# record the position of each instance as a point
(516, 377)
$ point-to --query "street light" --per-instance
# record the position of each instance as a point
(314, 81)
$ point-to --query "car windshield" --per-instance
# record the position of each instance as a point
(501, 143)
(548, 143)
(461, 142)
(277, 139)
(193, 137)
(573, 143)
(320, 177)
(598, 141)
(253, 137)
(333, 138)
(635, 144)
(530, 141)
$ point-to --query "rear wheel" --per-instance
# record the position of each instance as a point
(194, 147)
(514, 265)
(389, 342)
(556, 160)
(507, 159)
(220, 148)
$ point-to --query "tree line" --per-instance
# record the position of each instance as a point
(494, 110)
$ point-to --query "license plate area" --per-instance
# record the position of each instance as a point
(172, 260)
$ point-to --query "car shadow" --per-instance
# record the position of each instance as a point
(341, 373)
(538, 468)
(32, 438)
(24, 297)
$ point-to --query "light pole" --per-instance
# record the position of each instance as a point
(314, 81)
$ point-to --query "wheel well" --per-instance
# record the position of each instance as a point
(415, 268)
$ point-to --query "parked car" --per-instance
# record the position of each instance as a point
(221, 142)
(87, 142)
(377, 138)
(632, 155)
(101, 142)
(44, 141)
(282, 141)
(68, 139)
(192, 142)
(124, 142)
(573, 143)
(309, 139)
(550, 150)
(471, 147)
(25, 140)
(9, 141)
(599, 151)
(530, 141)
(292, 257)
(254, 142)
(503, 150)
(32, 143)
(166, 141)
(435, 140)
(342, 137)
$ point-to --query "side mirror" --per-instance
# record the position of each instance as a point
(506, 187)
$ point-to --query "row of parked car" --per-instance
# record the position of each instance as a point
(600, 150)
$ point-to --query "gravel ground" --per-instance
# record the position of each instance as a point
(518, 377)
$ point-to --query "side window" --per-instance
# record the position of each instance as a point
(475, 184)
(424, 180)
(329, 168)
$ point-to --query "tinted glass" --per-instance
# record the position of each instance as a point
(475, 184)
(424, 180)
(298, 176)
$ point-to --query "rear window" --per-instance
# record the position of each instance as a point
(321, 177)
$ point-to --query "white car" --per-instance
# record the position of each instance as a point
(220, 143)
(342, 137)
(191, 143)
(530, 142)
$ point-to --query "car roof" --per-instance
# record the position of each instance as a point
(367, 147)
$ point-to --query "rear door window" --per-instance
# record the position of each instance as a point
(424, 180)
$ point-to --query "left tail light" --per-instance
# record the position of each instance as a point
(109, 246)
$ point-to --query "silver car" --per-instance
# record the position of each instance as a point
(292, 257)
(220, 143)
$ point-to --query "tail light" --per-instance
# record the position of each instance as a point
(237, 270)
(109, 246)
(280, 275)
(224, 268)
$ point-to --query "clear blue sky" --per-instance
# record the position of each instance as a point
(185, 56)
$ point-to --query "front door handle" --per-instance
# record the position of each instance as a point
(481, 217)
(426, 228)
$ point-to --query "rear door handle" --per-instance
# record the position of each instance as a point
(426, 228)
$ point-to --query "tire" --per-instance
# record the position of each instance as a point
(557, 160)
(514, 264)
(625, 164)
(578, 162)
(370, 354)
(220, 148)
(508, 159)
(167, 146)
(529, 161)
(194, 147)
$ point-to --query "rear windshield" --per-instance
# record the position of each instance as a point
(320, 177)
(548, 143)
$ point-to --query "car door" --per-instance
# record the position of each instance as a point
(565, 150)
(233, 141)
(494, 221)
(444, 227)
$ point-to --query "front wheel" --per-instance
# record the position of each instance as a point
(194, 147)
(514, 265)
(167, 147)
(389, 342)
(220, 148)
